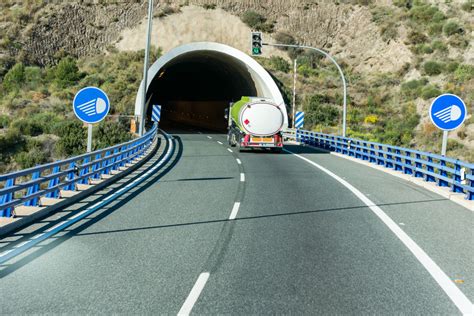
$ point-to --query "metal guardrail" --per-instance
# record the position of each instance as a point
(446, 172)
(26, 187)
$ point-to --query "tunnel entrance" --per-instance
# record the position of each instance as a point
(194, 84)
(196, 88)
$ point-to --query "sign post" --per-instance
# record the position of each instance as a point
(91, 105)
(447, 112)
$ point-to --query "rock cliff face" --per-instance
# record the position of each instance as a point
(346, 30)
(78, 28)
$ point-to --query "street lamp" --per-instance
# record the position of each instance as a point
(141, 127)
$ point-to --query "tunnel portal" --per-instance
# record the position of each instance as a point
(194, 83)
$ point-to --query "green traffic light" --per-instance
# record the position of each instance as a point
(256, 51)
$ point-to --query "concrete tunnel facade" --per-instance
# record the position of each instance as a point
(195, 82)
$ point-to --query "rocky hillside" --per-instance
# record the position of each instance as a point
(397, 54)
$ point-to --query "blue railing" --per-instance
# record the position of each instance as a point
(446, 172)
(26, 187)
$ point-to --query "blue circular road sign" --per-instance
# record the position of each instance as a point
(91, 105)
(448, 112)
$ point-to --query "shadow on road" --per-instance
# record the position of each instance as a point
(56, 240)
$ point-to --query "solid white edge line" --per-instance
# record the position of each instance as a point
(242, 177)
(235, 210)
(448, 286)
(220, 143)
(230, 150)
(238, 161)
(194, 294)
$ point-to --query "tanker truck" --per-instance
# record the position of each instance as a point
(255, 123)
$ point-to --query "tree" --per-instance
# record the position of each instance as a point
(72, 138)
(66, 73)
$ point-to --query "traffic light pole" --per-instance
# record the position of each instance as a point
(141, 127)
(344, 109)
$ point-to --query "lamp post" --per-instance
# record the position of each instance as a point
(344, 108)
(141, 127)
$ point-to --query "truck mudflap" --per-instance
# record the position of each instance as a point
(274, 141)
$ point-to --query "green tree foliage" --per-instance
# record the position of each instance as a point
(66, 73)
(14, 78)
(110, 133)
(73, 138)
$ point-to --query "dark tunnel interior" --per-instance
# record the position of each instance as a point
(195, 89)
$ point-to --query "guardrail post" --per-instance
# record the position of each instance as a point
(365, 150)
(106, 163)
(357, 149)
(430, 168)
(32, 190)
(71, 176)
(443, 173)
(457, 178)
(470, 193)
(407, 169)
(388, 162)
(381, 158)
(398, 160)
(52, 183)
(115, 159)
(96, 166)
(372, 154)
(8, 197)
(84, 171)
(418, 167)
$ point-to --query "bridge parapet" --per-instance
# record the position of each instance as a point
(34, 186)
(456, 174)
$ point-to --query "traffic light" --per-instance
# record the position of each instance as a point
(256, 43)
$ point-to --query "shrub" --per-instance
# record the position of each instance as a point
(279, 64)
(27, 126)
(464, 73)
(209, 6)
(426, 13)
(371, 119)
(439, 46)
(72, 139)
(417, 37)
(31, 158)
(14, 78)
(318, 111)
(109, 134)
(257, 21)
(66, 73)
(467, 6)
(4, 121)
(432, 68)
(253, 19)
(451, 28)
(429, 92)
(287, 39)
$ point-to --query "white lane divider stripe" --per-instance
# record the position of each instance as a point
(235, 210)
(220, 143)
(238, 161)
(242, 177)
(194, 294)
(448, 286)
(209, 137)
(230, 150)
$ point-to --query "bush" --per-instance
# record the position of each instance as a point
(287, 39)
(4, 121)
(109, 134)
(14, 78)
(31, 158)
(451, 28)
(318, 111)
(467, 6)
(279, 64)
(429, 92)
(417, 37)
(27, 126)
(66, 73)
(426, 13)
(432, 68)
(72, 139)
(371, 119)
(253, 19)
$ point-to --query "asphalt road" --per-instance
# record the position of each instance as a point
(300, 243)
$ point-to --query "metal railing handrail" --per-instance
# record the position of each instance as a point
(65, 174)
(445, 171)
